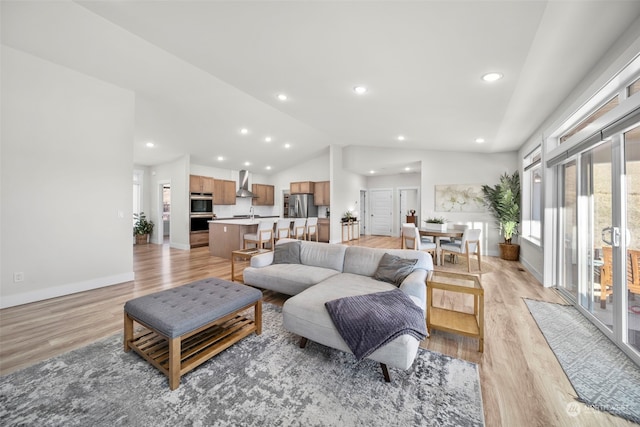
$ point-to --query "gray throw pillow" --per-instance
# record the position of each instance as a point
(394, 269)
(287, 253)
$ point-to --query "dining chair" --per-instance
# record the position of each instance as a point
(411, 239)
(299, 228)
(457, 227)
(262, 236)
(468, 245)
(283, 228)
(312, 228)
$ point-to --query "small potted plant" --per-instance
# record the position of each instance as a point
(348, 216)
(142, 227)
(503, 200)
(436, 224)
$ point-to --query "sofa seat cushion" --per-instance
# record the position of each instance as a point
(305, 315)
(289, 279)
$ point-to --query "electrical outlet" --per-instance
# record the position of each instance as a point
(18, 276)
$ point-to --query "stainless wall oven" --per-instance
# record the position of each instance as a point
(201, 205)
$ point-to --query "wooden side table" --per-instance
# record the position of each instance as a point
(467, 324)
(243, 255)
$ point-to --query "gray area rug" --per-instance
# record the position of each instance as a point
(262, 380)
(603, 376)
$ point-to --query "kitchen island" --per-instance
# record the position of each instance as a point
(226, 235)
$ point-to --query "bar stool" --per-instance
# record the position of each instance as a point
(262, 236)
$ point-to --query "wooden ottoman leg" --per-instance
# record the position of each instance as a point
(258, 317)
(385, 373)
(128, 332)
(174, 362)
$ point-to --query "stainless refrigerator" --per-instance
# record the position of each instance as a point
(301, 206)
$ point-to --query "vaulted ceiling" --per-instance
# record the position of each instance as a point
(204, 70)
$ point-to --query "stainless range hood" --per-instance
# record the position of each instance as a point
(243, 185)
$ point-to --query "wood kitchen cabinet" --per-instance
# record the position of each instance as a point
(321, 194)
(304, 187)
(224, 192)
(265, 195)
(324, 226)
(201, 184)
(199, 238)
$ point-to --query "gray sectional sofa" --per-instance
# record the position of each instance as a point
(326, 272)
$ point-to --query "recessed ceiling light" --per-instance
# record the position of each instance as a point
(400, 137)
(267, 139)
(150, 144)
(360, 90)
(268, 168)
(492, 77)
(244, 131)
(247, 163)
(220, 158)
(282, 97)
(372, 171)
(287, 145)
(479, 140)
(407, 168)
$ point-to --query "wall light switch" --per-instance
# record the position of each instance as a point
(225, 229)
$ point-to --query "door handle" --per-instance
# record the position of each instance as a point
(608, 230)
(616, 237)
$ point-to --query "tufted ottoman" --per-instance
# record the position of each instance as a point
(186, 326)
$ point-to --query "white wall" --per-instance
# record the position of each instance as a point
(447, 167)
(66, 211)
(345, 190)
(177, 174)
(316, 169)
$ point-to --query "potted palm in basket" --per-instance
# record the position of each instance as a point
(503, 200)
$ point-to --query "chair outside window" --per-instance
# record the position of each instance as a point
(411, 239)
(606, 276)
(283, 229)
(263, 236)
(312, 228)
(468, 245)
(300, 228)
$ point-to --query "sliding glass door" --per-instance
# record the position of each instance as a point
(599, 251)
(631, 286)
(597, 196)
(569, 228)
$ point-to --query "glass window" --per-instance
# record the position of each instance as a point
(612, 103)
(532, 196)
(633, 88)
(536, 203)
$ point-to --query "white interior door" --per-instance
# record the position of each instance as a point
(380, 203)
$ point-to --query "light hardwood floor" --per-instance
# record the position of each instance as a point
(522, 382)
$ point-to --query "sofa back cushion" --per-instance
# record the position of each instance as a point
(324, 255)
(365, 261)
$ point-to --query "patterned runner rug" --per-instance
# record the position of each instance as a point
(602, 375)
(262, 380)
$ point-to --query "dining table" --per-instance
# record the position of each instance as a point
(437, 235)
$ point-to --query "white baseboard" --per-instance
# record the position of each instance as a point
(537, 274)
(58, 291)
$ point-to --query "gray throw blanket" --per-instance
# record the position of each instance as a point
(368, 322)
